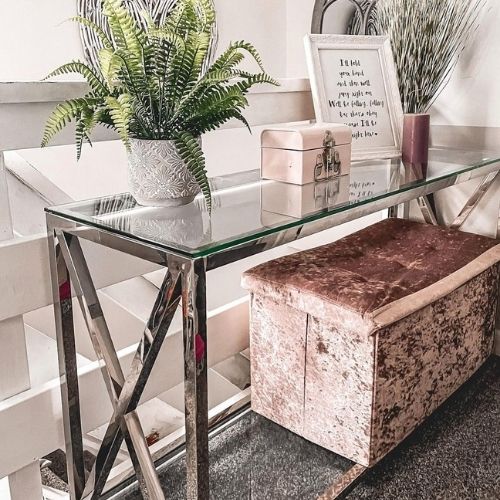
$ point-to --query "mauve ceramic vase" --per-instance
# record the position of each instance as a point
(415, 150)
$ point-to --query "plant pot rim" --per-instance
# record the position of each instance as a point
(141, 139)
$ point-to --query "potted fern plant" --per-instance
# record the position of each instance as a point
(154, 87)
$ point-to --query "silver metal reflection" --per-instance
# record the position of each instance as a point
(194, 313)
(427, 210)
(112, 372)
(68, 261)
(63, 313)
(142, 364)
(475, 199)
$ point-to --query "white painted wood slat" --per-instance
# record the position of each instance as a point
(26, 483)
(31, 422)
(25, 276)
(25, 107)
(25, 480)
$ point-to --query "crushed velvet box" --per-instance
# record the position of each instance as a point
(355, 343)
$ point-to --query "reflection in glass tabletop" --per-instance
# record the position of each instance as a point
(246, 208)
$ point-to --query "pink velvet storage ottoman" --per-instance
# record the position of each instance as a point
(355, 343)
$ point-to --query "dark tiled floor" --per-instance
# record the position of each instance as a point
(454, 455)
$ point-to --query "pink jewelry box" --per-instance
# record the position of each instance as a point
(306, 153)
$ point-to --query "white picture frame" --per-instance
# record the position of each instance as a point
(342, 67)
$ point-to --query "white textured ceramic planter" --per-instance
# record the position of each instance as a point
(158, 177)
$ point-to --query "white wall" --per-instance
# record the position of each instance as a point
(299, 16)
(34, 37)
(472, 97)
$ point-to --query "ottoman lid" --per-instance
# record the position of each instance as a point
(371, 268)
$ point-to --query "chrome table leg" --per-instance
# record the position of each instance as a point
(111, 369)
(186, 281)
(194, 312)
(155, 332)
(427, 210)
(474, 200)
(63, 312)
(124, 392)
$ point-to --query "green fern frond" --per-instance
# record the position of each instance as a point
(217, 107)
(242, 45)
(192, 155)
(242, 119)
(94, 80)
(130, 73)
(120, 110)
(107, 43)
(126, 34)
(224, 60)
(192, 62)
(65, 113)
(227, 61)
(110, 66)
(227, 96)
(89, 118)
(258, 78)
(168, 37)
(183, 19)
(81, 136)
(206, 8)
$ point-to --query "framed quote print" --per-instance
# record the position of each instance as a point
(354, 81)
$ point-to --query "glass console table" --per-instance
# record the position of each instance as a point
(249, 216)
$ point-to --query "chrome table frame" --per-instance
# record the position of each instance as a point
(185, 283)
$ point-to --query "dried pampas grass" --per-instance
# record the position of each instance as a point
(427, 39)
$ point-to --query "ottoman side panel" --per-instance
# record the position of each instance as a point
(277, 348)
(339, 388)
(425, 357)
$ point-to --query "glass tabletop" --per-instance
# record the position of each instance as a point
(246, 208)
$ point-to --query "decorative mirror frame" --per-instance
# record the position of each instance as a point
(157, 9)
(363, 14)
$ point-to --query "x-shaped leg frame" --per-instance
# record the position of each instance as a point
(486, 183)
(427, 206)
(184, 280)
